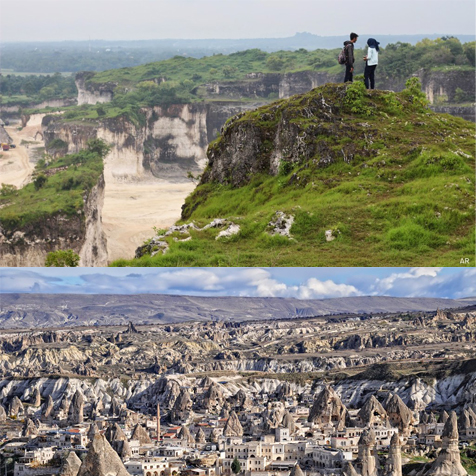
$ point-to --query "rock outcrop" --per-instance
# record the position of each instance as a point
(182, 407)
(448, 462)
(393, 466)
(3, 414)
(102, 460)
(367, 461)
(141, 435)
(328, 409)
(233, 426)
(71, 465)
(372, 412)
(186, 436)
(29, 428)
(398, 413)
(16, 407)
(75, 411)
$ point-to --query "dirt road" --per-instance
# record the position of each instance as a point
(15, 165)
(132, 210)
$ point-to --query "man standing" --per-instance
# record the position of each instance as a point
(349, 57)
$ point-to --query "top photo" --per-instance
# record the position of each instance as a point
(238, 133)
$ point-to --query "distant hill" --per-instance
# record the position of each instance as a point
(20, 311)
(99, 55)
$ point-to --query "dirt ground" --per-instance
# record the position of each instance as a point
(15, 164)
(132, 210)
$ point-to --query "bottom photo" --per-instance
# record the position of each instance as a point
(237, 371)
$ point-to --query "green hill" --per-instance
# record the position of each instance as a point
(392, 181)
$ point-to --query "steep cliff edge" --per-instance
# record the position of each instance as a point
(61, 209)
(337, 176)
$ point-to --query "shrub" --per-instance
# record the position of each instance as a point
(40, 181)
(354, 99)
(62, 259)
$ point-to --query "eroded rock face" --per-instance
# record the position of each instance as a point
(399, 414)
(393, 466)
(296, 471)
(328, 409)
(102, 460)
(71, 465)
(48, 407)
(288, 422)
(186, 436)
(448, 462)
(367, 457)
(182, 407)
(349, 470)
(15, 407)
(371, 412)
(141, 434)
(200, 438)
(29, 428)
(233, 426)
(36, 398)
(75, 411)
(3, 414)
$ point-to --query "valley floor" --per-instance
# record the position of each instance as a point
(15, 165)
(131, 210)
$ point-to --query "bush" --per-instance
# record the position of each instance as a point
(7, 189)
(40, 181)
(354, 100)
(62, 259)
(414, 94)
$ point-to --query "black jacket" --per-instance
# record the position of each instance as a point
(349, 52)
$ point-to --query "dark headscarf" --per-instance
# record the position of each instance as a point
(373, 43)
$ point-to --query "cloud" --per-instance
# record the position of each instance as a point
(386, 284)
(315, 289)
(259, 282)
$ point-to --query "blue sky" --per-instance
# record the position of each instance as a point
(57, 20)
(303, 283)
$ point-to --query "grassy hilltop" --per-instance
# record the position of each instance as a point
(58, 189)
(392, 180)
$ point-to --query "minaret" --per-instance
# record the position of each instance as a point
(158, 424)
(394, 461)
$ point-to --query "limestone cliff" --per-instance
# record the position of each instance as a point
(81, 232)
(168, 143)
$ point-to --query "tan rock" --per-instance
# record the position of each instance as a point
(102, 460)
(71, 465)
(448, 462)
(233, 426)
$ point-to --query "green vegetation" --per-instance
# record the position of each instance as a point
(182, 80)
(400, 188)
(23, 90)
(58, 188)
(236, 466)
(62, 259)
(468, 459)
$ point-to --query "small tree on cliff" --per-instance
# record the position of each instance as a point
(62, 259)
(236, 466)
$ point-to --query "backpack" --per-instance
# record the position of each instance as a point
(342, 59)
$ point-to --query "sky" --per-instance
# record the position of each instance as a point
(58, 20)
(302, 283)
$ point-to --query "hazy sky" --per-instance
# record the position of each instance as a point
(45, 20)
(304, 283)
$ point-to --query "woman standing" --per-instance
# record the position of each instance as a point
(371, 62)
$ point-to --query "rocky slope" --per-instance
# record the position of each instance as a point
(366, 347)
(28, 245)
(40, 310)
(333, 168)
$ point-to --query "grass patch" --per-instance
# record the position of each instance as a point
(392, 196)
(58, 188)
